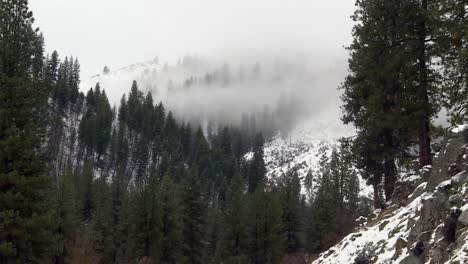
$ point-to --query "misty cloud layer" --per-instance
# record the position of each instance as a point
(285, 90)
(298, 45)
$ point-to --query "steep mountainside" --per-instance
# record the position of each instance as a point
(300, 151)
(426, 222)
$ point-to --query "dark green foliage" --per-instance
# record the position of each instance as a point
(290, 188)
(451, 32)
(25, 222)
(67, 215)
(172, 198)
(96, 124)
(389, 94)
(85, 186)
(193, 219)
(119, 217)
(336, 204)
(170, 229)
(265, 226)
(102, 217)
(142, 186)
(146, 221)
(234, 240)
(256, 167)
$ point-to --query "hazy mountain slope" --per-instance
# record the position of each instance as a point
(291, 89)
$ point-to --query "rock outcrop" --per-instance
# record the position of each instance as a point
(426, 222)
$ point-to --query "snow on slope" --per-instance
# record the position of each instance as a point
(379, 238)
(150, 76)
(300, 151)
(426, 221)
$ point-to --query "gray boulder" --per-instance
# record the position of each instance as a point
(463, 218)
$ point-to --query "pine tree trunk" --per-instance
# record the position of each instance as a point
(390, 178)
(425, 157)
(377, 198)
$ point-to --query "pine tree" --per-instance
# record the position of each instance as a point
(134, 106)
(24, 214)
(96, 125)
(235, 222)
(170, 222)
(349, 176)
(256, 171)
(86, 191)
(451, 41)
(292, 216)
(146, 221)
(67, 215)
(321, 215)
(193, 219)
(265, 239)
(102, 219)
(389, 85)
(52, 68)
(119, 220)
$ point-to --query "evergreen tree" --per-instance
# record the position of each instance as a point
(256, 170)
(292, 217)
(451, 32)
(102, 219)
(146, 221)
(24, 213)
(193, 219)
(86, 191)
(322, 210)
(67, 215)
(170, 222)
(96, 125)
(390, 83)
(119, 217)
(134, 106)
(235, 222)
(51, 71)
(265, 239)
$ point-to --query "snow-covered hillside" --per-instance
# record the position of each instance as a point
(150, 75)
(426, 221)
(317, 128)
(300, 151)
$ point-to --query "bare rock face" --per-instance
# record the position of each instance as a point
(449, 160)
(411, 259)
(463, 218)
(456, 199)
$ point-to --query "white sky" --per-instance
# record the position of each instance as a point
(122, 32)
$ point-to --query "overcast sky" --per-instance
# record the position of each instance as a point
(122, 32)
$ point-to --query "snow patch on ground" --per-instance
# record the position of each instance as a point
(380, 238)
(459, 128)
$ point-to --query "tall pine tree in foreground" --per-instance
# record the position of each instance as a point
(24, 214)
(389, 94)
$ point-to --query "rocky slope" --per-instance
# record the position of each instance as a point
(426, 222)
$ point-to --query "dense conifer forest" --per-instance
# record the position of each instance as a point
(84, 181)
